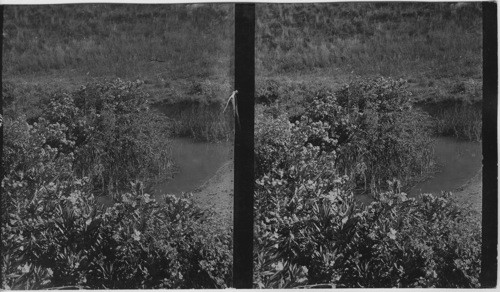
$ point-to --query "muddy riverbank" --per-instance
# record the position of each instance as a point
(196, 162)
(205, 170)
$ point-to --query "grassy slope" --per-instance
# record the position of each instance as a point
(185, 51)
(437, 47)
(180, 51)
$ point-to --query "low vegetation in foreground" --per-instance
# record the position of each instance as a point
(102, 139)
(309, 227)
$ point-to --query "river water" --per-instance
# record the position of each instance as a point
(458, 161)
(196, 162)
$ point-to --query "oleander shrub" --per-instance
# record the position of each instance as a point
(26, 99)
(309, 229)
(7, 94)
(290, 201)
(429, 241)
(285, 96)
(63, 238)
(371, 125)
(54, 232)
(114, 136)
(272, 137)
(376, 132)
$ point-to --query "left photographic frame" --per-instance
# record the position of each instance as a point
(118, 137)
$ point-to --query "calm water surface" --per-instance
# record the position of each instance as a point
(458, 161)
(196, 162)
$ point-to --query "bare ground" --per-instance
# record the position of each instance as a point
(471, 193)
(217, 194)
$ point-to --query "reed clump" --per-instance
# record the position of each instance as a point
(463, 121)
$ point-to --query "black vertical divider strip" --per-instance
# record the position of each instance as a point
(1, 134)
(244, 80)
(488, 277)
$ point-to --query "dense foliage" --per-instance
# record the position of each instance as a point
(98, 140)
(64, 238)
(370, 126)
(309, 227)
(109, 130)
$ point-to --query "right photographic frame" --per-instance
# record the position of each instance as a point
(368, 145)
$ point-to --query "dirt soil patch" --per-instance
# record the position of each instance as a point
(217, 195)
(471, 193)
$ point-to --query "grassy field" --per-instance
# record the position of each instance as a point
(435, 46)
(185, 52)
(177, 50)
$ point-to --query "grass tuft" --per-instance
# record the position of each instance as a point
(202, 122)
(461, 121)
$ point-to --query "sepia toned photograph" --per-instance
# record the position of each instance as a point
(368, 145)
(117, 146)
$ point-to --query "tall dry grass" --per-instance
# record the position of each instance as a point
(390, 39)
(462, 121)
(177, 41)
(200, 121)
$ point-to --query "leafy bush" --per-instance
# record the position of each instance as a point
(272, 137)
(29, 163)
(63, 238)
(55, 233)
(269, 91)
(114, 136)
(390, 138)
(7, 94)
(394, 242)
(25, 99)
(373, 128)
(292, 206)
(421, 242)
(310, 230)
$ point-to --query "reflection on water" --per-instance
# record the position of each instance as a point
(196, 162)
(458, 162)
